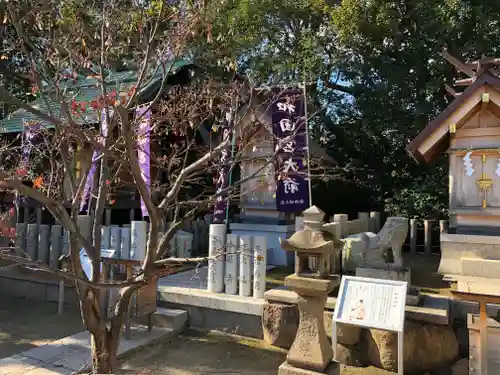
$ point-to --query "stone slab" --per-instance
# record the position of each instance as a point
(377, 273)
(433, 310)
(203, 298)
(286, 369)
(72, 353)
(454, 247)
(477, 267)
(174, 319)
(17, 365)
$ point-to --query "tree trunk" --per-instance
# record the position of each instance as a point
(104, 333)
(104, 347)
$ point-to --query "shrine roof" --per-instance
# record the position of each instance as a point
(434, 138)
(83, 89)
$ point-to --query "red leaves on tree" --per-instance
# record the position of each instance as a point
(21, 172)
(37, 183)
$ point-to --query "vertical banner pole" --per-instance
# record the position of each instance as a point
(307, 144)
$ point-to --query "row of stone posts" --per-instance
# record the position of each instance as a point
(236, 263)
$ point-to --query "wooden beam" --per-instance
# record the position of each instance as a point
(458, 64)
(451, 91)
(464, 82)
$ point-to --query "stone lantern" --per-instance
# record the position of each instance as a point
(311, 352)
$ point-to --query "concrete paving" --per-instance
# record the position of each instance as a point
(71, 354)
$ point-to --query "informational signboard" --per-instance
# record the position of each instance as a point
(87, 265)
(372, 303)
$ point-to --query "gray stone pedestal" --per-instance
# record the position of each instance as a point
(311, 352)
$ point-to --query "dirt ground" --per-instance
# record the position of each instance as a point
(25, 324)
(204, 353)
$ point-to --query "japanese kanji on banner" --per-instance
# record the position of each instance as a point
(290, 140)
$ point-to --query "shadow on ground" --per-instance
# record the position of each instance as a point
(25, 324)
(196, 352)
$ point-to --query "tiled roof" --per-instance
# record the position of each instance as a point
(83, 90)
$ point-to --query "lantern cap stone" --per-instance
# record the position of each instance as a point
(308, 241)
(314, 213)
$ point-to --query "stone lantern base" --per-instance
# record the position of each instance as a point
(286, 369)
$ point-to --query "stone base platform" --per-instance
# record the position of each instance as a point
(454, 247)
(286, 369)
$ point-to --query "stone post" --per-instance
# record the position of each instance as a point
(114, 240)
(55, 245)
(138, 240)
(342, 219)
(20, 240)
(32, 241)
(364, 218)
(43, 243)
(245, 276)
(217, 247)
(231, 266)
(125, 243)
(105, 237)
(376, 216)
(259, 266)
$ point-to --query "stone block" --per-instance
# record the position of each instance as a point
(478, 267)
(279, 324)
(350, 355)
(385, 274)
(346, 334)
(174, 319)
(454, 247)
(286, 369)
(427, 347)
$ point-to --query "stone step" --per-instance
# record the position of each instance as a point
(174, 319)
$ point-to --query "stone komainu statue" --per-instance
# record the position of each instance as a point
(373, 250)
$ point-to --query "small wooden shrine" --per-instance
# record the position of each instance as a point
(469, 130)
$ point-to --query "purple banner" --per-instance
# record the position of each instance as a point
(290, 140)
(221, 203)
(144, 148)
(84, 205)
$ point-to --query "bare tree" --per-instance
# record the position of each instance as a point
(61, 42)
